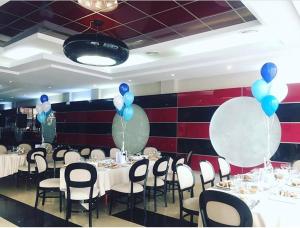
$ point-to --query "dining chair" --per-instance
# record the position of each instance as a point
(3, 149)
(25, 147)
(137, 174)
(207, 173)
(296, 165)
(113, 152)
(48, 147)
(186, 183)
(189, 158)
(172, 180)
(44, 184)
(150, 151)
(224, 168)
(98, 154)
(29, 168)
(219, 209)
(80, 183)
(71, 157)
(158, 182)
(58, 158)
(85, 152)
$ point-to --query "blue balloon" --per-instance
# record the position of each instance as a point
(260, 89)
(123, 88)
(268, 71)
(269, 105)
(128, 113)
(128, 98)
(44, 98)
(42, 117)
(120, 112)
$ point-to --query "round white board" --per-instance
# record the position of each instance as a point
(239, 132)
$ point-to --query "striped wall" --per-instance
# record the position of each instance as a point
(178, 123)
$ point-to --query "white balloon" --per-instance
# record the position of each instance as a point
(278, 89)
(39, 108)
(46, 106)
(118, 102)
(239, 132)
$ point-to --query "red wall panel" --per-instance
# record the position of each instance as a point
(290, 132)
(86, 117)
(193, 130)
(206, 98)
(162, 115)
(163, 143)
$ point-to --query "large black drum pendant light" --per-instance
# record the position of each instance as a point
(96, 49)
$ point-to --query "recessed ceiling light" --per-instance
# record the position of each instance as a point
(94, 85)
(49, 87)
(249, 31)
(172, 75)
(229, 67)
(10, 82)
(153, 53)
(12, 97)
(19, 53)
(130, 80)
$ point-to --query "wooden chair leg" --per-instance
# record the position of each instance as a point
(97, 207)
(191, 219)
(154, 196)
(60, 201)
(111, 202)
(90, 213)
(173, 191)
(165, 195)
(44, 197)
(36, 197)
(145, 202)
(181, 214)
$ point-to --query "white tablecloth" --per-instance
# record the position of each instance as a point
(107, 177)
(271, 210)
(9, 164)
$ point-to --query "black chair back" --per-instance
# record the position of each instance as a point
(245, 215)
(58, 153)
(161, 167)
(85, 152)
(41, 167)
(30, 155)
(86, 176)
(139, 170)
(176, 162)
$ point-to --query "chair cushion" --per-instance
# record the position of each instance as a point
(191, 203)
(82, 193)
(24, 168)
(50, 183)
(150, 182)
(57, 165)
(126, 188)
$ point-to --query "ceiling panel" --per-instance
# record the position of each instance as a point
(125, 13)
(146, 25)
(152, 7)
(172, 17)
(155, 21)
(207, 8)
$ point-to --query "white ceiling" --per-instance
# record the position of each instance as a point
(235, 49)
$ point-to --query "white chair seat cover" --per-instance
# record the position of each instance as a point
(126, 188)
(50, 183)
(150, 182)
(24, 168)
(191, 203)
(83, 193)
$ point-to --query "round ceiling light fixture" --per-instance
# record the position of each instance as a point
(96, 49)
(99, 5)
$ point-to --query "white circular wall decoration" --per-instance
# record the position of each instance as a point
(239, 132)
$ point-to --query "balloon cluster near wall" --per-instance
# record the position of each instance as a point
(123, 102)
(43, 109)
(269, 90)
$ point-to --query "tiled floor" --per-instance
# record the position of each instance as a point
(165, 216)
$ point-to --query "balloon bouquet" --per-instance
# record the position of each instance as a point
(269, 91)
(43, 109)
(123, 103)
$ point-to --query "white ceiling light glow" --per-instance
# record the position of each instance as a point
(99, 5)
(19, 53)
(96, 60)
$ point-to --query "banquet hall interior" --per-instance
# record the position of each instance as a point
(127, 113)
